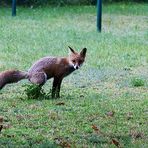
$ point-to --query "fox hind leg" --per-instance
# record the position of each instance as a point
(39, 78)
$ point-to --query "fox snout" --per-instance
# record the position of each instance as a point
(76, 66)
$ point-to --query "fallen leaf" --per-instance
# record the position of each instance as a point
(20, 117)
(110, 114)
(136, 135)
(1, 127)
(95, 128)
(63, 143)
(60, 103)
(115, 142)
(129, 116)
(1, 119)
(6, 126)
(10, 136)
(139, 135)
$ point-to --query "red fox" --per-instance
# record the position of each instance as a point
(46, 68)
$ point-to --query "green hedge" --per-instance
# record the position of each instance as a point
(52, 2)
(63, 2)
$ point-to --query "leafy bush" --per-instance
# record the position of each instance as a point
(35, 92)
(137, 82)
(57, 2)
(52, 2)
(64, 2)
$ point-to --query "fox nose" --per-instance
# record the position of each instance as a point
(77, 67)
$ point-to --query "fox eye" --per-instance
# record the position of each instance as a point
(80, 61)
(73, 61)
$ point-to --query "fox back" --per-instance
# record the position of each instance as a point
(59, 66)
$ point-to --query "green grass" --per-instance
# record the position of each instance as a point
(100, 95)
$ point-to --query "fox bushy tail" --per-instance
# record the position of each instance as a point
(11, 76)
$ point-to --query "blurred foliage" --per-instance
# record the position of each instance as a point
(50, 2)
(63, 2)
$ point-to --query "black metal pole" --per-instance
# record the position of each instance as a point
(99, 15)
(13, 7)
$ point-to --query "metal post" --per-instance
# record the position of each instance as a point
(13, 7)
(99, 15)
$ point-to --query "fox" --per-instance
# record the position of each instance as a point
(45, 69)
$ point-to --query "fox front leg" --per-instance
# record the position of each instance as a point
(56, 87)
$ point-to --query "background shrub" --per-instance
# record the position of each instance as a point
(137, 82)
(63, 2)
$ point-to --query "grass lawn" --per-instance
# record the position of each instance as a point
(104, 104)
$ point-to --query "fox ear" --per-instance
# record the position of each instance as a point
(83, 52)
(72, 50)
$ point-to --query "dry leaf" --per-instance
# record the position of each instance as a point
(6, 126)
(110, 114)
(1, 119)
(129, 116)
(62, 143)
(65, 144)
(136, 135)
(115, 142)
(1, 127)
(95, 128)
(60, 103)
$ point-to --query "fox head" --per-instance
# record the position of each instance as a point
(76, 59)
